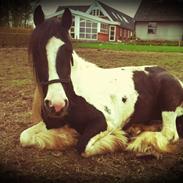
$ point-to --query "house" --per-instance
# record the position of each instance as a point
(159, 20)
(98, 22)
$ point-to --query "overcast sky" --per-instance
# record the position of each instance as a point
(128, 7)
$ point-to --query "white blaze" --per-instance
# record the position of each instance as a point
(55, 94)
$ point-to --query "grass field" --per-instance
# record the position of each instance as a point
(130, 47)
(19, 164)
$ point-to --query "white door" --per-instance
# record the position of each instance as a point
(112, 33)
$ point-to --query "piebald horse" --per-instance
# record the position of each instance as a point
(80, 104)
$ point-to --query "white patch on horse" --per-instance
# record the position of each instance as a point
(169, 129)
(56, 94)
(179, 110)
(181, 83)
(106, 88)
(138, 68)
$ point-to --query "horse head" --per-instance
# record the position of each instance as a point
(51, 50)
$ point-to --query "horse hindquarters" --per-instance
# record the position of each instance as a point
(170, 101)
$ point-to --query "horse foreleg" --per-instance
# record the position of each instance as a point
(38, 136)
(105, 142)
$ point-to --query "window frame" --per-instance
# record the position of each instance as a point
(96, 12)
(87, 30)
(104, 28)
(152, 28)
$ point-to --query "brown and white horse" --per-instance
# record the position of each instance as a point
(79, 103)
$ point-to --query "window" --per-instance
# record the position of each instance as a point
(124, 33)
(72, 32)
(88, 29)
(96, 12)
(112, 33)
(104, 28)
(125, 20)
(119, 17)
(114, 14)
(121, 33)
(152, 28)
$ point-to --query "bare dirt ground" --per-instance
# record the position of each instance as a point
(19, 164)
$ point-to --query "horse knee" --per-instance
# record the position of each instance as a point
(27, 138)
(39, 140)
(106, 142)
(169, 129)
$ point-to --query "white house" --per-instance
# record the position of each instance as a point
(159, 20)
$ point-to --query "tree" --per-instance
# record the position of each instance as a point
(15, 12)
(4, 13)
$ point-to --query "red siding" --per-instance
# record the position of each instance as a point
(122, 34)
(103, 37)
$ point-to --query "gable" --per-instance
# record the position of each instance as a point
(96, 6)
(77, 8)
(112, 14)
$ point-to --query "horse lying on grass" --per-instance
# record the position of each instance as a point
(79, 103)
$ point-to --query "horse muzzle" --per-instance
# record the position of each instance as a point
(55, 110)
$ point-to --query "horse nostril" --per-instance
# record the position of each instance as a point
(55, 108)
(47, 104)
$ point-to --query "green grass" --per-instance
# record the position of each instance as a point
(129, 47)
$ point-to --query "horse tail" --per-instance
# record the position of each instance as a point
(179, 120)
(179, 124)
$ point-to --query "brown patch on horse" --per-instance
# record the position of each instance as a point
(136, 129)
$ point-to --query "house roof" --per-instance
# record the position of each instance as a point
(160, 10)
(78, 8)
(84, 15)
(125, 20)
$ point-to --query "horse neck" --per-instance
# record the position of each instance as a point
(80, 64)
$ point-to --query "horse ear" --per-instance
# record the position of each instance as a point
(66, 19)
(38, 15)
